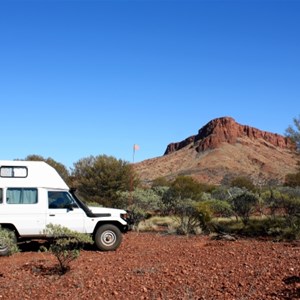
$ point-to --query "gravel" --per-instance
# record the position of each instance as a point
(158, 266)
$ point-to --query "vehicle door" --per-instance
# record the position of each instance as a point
(63, 210)
(24, 209)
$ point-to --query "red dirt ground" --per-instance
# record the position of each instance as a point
(156, 266)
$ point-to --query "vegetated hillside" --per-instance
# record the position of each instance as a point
(222, 150)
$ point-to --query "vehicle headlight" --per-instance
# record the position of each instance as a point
(124, 216)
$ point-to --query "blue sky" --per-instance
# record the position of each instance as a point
(81, 78)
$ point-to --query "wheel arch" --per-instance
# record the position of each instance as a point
(115, 223)
(10, 227)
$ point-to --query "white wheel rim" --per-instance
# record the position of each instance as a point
(108, 238)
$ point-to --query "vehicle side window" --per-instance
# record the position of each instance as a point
(1, 196)
(21, 196)
(60, 200)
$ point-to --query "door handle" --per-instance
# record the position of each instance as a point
(52, 215)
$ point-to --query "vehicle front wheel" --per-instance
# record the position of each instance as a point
(108, 237)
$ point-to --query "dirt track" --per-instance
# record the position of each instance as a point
(155, 266)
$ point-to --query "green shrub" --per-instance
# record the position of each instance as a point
(291, 233)
(186, 215)
(65, 244)
(292, 180)
(244, 204)
(204, 215)
(192, 217)
(277, 228)
(8, 243)
(243, 182)
(220, 208)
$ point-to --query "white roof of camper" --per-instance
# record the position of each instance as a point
(18, 173)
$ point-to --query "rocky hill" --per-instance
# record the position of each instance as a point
(222, 150)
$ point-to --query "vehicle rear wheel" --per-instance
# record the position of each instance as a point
(108, 237)
(8, 240)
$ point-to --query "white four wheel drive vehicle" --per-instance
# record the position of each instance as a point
(33, 195)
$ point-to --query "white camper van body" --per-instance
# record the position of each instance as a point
(33, 195)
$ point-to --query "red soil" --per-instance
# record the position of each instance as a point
(156, 266)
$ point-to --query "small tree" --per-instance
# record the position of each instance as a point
(183, 188)
(186, 187)
(98, 178)
(186, 215)
(65, 244)
(243, 205)
(294, 132)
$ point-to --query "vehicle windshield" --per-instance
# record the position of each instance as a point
(80, 203)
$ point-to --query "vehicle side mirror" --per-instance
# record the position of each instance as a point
(69, 207)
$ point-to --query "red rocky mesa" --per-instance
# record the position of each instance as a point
(227, 130)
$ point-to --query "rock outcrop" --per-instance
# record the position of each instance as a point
(227, 130)
(223, 150)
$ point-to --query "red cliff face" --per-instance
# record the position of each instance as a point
(223, 150)
(226, 130)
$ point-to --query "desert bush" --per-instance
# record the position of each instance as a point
(263, 227)
(184, 187)
(292, 179)
(145, 199)
(272, 201)
(65, 245)
(291, 207)
(141, 203)
(178, 197)
(275, 228)
(192, 217)
(98, 178)
(8, 244)
(186, 215)
(227, 194)
(278, 228)
(290, 210)
(160, 181)
(220, 208)
(291, 232)
(204, 215)
(243, 205)
(137, 215)
(243, 182)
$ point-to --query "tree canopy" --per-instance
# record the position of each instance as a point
(293, 132)
(293, 179)
(99, 178)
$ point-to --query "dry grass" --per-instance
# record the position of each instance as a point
(158, 223)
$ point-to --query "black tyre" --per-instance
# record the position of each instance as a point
(7, 241)
(108, 237)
